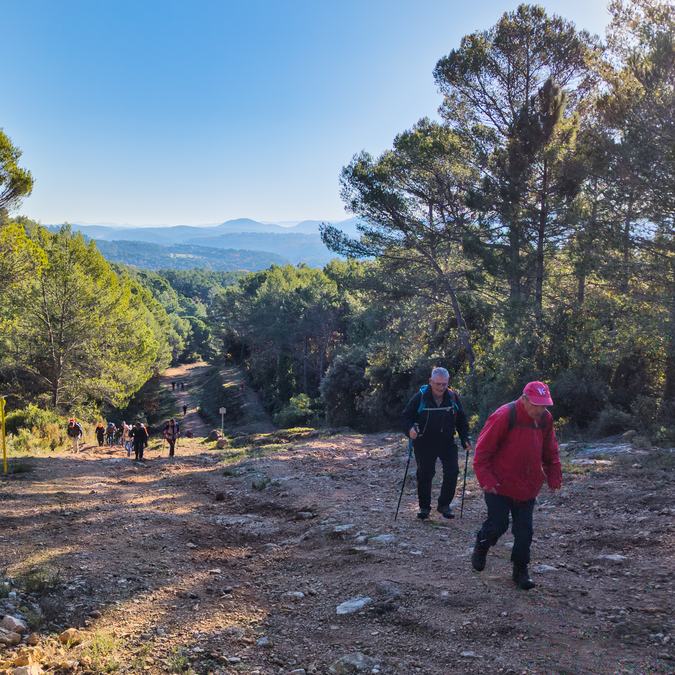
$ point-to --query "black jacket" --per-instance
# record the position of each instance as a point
(140, 436)
(437, 424)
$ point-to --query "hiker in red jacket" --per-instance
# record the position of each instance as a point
(515, 453)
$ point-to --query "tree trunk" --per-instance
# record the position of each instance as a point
(626, 244)
(541, 238)
(304, 366)
(588, 242)
(515, 290)
(669, 384)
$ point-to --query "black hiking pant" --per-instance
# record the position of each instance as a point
(499, 508)
(426, 470)
(172, 446)
(138, 450)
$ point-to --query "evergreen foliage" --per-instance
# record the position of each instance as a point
(75, 333)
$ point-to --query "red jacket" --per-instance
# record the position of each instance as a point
(516, 462)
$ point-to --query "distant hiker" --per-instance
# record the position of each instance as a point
(127, 439)
(100, 432)
(147, 434)
(173, 386)
(430, 420)
(182, 386)
(184, 410)
(74, 432)
(171, 434)
(140, 436)
(110, 432)
(515, 452)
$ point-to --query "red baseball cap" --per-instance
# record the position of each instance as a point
(538, 393)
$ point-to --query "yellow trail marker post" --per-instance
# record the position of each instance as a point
(2, 433)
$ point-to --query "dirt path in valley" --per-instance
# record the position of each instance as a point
(187, 379)
(205, 564)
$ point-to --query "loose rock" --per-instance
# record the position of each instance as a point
(70, 636)
(352, 663)
(353, 605)
(14, 625)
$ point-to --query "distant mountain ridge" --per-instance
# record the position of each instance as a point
(166, 233)
(255, 243)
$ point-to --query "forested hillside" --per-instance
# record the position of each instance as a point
(145, 255)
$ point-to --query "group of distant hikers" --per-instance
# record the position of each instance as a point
(132, 437)
(516, 452)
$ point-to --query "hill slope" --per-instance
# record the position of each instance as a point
(238, 561)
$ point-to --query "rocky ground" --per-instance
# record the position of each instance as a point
(242, 560)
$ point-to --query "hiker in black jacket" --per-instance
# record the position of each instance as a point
(140, 436)
(430, 420)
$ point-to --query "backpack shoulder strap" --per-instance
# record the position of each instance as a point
(454, 400)
(423, 390)
(512, 415)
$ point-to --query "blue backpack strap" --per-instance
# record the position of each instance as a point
(421, 406)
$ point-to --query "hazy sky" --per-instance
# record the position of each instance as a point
(146, 112)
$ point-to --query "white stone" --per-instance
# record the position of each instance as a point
(470, 655)
(351, 663)
(383, 539)
(353, 605)
(542, 569)
(614, 557)
(294, 595)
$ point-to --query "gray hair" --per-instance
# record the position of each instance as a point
(440, 372)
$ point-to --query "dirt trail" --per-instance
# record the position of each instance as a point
(239, 568)
(186, 378)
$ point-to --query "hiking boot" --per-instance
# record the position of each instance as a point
(423, 514)
(445, 511)
(479, 556)
(521, 577)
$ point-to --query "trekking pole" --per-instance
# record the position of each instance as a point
(466, 464)
(405, 475)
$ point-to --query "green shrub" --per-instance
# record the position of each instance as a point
(613, 421)
(345, 381)
(34, 430)
(99, 653)
(579, 395)
(32, 417)
(297, 411)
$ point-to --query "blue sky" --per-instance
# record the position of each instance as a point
(145, 112)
